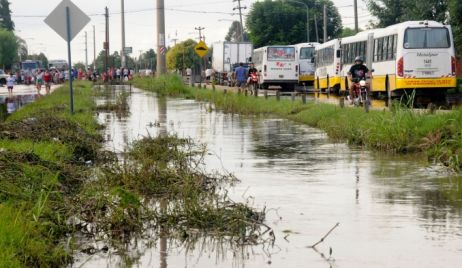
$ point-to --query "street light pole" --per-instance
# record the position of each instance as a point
(307, 18)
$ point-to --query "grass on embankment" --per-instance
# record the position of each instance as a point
(402, 130)
(41, 152)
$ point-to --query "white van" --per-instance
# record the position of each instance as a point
(277, 66)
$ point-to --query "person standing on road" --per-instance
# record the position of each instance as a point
(47, 80)
(10, 84)
(241, 75)
(39, 81)
(118, 73)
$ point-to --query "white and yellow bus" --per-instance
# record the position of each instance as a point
(414, 55)
(328, 65)
(410, 56)
(352, 47)
(306, 67)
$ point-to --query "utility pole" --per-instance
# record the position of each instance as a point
(325, 24)
(356, 16)
(200, 32)
(94, 48)
(122, 53)
(200, 60)
(240, 8)
(106, 44)
(86, 51)
(161, 49)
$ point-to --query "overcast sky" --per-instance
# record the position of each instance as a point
(181, 18)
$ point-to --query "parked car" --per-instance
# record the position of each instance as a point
(3, 77)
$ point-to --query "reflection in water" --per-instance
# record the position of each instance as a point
(11, 104)
(393, 211)
(162, 108)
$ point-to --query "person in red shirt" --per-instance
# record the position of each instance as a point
(47, 80)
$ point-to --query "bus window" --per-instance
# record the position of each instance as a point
(395, 46)
(281, 53)
(391, 43)
(306, 53)
(385, 48)
(376, 49)
(426, 38)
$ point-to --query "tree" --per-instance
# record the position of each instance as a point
(148, 60)
(5, 16)
(234, 33)
(79, 65)
(22, 48)
(455, 11)
(390, 12)
(349, 32)
(8, 49)
(182, 55)
(284, 22)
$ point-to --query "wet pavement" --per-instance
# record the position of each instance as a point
(22, 95)
(394, 211)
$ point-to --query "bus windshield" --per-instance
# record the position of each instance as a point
(426, 38)
(29, 65)
(306, 53)
(281, 53)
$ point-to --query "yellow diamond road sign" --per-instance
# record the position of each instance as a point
(201, 49)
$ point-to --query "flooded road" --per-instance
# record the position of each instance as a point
(393, 211)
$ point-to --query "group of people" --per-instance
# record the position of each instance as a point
(243, 75)
(39, 77)
(118, 74)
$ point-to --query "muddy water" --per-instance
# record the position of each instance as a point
(393, 211)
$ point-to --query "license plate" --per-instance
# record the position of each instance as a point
(428, 73)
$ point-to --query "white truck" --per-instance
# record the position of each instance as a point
(227, 56)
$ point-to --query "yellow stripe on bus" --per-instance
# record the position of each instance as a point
(449, 82)
(333, 81)
(306, 78)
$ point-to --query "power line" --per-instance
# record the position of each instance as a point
(140, 11)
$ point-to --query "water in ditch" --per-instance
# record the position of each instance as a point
(393, 211)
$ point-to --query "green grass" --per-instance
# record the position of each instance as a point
(48, 151)
(39, 175)
(58, 104)
(401, 131)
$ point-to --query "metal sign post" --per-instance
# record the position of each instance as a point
(71, 89)
(68, 20)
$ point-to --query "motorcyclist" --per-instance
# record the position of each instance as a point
(357, 73)
(252, 70)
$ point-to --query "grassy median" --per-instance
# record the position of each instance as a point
(42, 154)
(401, 130)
